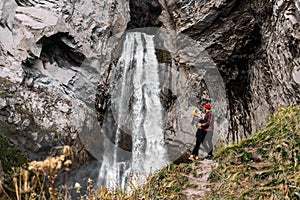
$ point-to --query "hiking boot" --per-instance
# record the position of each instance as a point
(197, 158)
(192, 157)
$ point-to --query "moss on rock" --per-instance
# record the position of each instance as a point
(9, 156)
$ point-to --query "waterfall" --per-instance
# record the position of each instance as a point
(110, 174)
(139, 66)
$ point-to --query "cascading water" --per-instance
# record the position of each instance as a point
(111, 169)
(139, 66)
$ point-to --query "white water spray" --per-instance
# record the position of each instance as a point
(148, 146)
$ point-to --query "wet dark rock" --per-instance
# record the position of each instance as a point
(144, 13)
(59, 48)
(167, 98)
(184, 158)
(102, 100)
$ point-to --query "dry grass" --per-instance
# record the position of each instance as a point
(166, 184)
(37, 181)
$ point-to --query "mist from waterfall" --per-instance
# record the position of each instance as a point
(140, 102)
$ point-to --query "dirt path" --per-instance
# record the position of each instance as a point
(198, 178)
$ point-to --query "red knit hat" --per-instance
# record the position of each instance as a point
(207, 106)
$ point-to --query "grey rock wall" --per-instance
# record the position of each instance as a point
(48, 52)
(255, 45)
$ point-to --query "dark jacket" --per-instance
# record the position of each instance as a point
(208, 122)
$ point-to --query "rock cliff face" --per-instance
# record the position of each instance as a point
(255, 45)
(48, 74)
(49, 71)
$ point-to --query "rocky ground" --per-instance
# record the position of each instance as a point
(199, 179)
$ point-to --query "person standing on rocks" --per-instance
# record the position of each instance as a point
(204, 130)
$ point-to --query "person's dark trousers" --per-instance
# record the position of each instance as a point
(210, 153)
(208, 145)
(200, 135)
